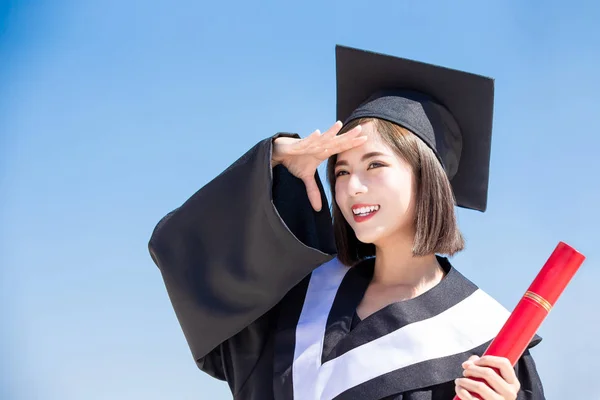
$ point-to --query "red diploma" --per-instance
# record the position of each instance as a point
(532, 309)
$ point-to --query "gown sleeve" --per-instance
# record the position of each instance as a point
(232, 251)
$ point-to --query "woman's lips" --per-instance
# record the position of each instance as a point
(362, 212)
(362, 218)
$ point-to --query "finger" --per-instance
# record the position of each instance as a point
(323, 142)
(343, 142)
(331, 136)
(476, 387)
(324, 151)
(507, 371)
(352, 133)
(316, 143)
(462, 393)
(314, 195)
(303, 144)
(333, 130)
(495, 381)
(347, 144)
(322, 147)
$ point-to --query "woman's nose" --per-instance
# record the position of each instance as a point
(356, 186)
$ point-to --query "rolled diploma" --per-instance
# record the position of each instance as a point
(534, 306)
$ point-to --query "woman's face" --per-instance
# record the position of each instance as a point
(374, 190)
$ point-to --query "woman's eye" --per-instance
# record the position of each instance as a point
(375, 165)
(340, 173)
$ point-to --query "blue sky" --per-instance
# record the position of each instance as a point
(112, 113)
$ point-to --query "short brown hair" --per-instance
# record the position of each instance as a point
(436, 228)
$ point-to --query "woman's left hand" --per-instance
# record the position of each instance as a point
(503, 386)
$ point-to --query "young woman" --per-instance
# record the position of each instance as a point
(283, 303)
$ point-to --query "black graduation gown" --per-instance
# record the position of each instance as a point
(265, 305)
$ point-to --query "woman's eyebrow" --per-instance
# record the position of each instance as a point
(363, 158)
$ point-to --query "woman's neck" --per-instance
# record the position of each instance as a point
(395, 266)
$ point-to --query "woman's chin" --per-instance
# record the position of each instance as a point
(367, 239)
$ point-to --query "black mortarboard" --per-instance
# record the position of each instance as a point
(450, 110)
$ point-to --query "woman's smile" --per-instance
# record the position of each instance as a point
(363, 212)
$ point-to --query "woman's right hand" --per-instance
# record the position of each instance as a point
(302, 156)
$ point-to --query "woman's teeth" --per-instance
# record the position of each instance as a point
(362, 211)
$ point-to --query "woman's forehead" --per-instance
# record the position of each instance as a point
(374, 143)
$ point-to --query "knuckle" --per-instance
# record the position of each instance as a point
(479, 385)
(487, 373)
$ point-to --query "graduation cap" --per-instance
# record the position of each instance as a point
(450, 110)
